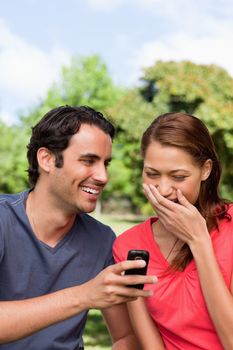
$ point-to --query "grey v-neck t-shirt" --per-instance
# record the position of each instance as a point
(30, 268)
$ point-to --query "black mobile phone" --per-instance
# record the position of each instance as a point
(137, 254)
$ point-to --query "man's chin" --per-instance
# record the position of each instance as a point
(87, 210)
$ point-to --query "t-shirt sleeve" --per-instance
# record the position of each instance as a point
(1, 237)
(117, 251)
(110, 260)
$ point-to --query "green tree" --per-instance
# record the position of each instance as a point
(85, 81)
(203, 90)
(13, 163)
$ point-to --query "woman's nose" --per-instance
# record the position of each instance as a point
(164, 188)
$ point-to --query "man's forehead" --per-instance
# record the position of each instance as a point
(88, 132)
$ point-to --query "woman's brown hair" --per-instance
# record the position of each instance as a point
(189, 133)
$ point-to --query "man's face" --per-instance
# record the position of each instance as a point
(78, 184)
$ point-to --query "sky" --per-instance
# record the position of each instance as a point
(38, 37)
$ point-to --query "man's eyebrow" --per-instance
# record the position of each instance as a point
(89, 155)
(108, 160)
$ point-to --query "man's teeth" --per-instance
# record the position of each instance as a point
(89, 190)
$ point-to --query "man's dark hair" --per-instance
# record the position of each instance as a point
(56, 128)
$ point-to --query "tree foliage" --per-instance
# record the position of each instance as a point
(13, 163)
(203, 90)
(85, 81)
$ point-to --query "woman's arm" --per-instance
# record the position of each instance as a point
(132, 329)
(218, 298)
(144, 327)
(120, 329)
(184, 221)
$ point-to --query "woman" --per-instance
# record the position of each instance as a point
(190, 241)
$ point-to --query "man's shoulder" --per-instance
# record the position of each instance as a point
(92, 222)
(12, 199)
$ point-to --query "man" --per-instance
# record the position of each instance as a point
(55, 260)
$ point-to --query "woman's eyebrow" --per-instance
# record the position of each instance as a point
(172, 171)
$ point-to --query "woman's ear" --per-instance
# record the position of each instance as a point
(206, 169)
(45, 159)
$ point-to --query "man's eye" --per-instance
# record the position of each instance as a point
(88, 161)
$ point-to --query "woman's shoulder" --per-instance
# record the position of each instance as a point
(230, 210)
(130, 239)
(137, 229)
(228, 217)
(224, 231)
(137, 237)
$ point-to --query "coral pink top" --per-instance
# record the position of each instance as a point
(178, 306)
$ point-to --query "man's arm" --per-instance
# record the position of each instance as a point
(108, 288)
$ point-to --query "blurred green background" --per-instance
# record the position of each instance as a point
(96, 335)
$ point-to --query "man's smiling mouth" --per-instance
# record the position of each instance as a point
(89, 190)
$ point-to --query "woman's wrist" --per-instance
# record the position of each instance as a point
(201, 245)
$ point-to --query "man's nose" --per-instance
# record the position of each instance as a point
(101, 174)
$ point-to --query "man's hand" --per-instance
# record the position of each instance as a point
(109, 287)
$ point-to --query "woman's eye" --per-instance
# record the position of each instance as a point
(152, 175)
(179, 178)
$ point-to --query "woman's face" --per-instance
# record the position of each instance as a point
(171, 168)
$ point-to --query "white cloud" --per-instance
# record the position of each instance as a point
(200, 50)
(26, 72)
(7, 118)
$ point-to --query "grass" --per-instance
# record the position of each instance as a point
(96, 336)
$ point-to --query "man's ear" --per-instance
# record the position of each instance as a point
(206, 169)
(45, 159)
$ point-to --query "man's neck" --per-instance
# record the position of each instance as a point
(49, 223)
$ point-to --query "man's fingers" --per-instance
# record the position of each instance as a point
(116, 274)
(126, 265)
(127, 292)
(138, 279)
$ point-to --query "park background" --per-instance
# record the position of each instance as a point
(130, 59)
